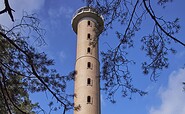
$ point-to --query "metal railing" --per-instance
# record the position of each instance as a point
(87, 9)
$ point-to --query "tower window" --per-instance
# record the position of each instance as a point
(88, 23)
(88, 36)
(88, 50)
(89, 99)
(89, 65)
(89, 82)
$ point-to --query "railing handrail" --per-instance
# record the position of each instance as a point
(86, 9)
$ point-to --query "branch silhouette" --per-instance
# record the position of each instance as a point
(8, 9)
(152, 15)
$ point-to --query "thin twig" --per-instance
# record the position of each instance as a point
(7, 93)
(7, 9)
(6, 103)
(33, 69)
(152, 15)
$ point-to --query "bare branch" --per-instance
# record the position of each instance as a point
(152, 15)
(8, 9)
(5, 99)
(3, 78)
(33, 69)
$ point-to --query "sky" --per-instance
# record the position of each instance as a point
(165, 96)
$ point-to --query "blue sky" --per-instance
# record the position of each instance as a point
(165, 96)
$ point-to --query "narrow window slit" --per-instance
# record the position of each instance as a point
(89, 100)
(88, 23)
(88, 36)
(88, 50)
(89, 65)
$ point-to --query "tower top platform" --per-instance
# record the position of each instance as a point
(87, 12)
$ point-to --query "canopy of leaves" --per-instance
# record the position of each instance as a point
(27, 70)
(131, 15)
(24, 70)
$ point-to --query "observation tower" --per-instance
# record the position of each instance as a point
(88, 25)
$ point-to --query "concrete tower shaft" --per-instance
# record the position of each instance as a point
(87, 24)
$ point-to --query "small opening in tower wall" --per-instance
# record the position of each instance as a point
(88, 23)
(88, 50)
(89, 65)
(89, 82)
(89, 99)
(88, 36)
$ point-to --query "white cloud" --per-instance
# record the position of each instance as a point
(57, 16)
(19, 6)
(173, 97)
(66, 11)
(60, 12)
(62, 55)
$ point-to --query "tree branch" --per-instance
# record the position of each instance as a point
(8, 9)
(33, 69)
(6, 103)
(152, 15)
(7, 93)
(125, 33)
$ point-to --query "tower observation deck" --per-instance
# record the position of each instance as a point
(88, 25)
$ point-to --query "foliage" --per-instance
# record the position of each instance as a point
(33, 69)
(24, 70)
(156, 45)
